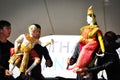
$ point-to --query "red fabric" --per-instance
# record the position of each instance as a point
(81, 45)
(33, 54)
(11, 51)
(85, 55)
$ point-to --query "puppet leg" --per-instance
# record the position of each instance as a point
(85, 56)
(24, 63)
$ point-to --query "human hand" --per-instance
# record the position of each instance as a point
(8, 73)
(68, 61)
(48, 63)
(80, 70)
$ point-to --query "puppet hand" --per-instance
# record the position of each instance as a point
(27, 73)
(16, 50)
(101, 55)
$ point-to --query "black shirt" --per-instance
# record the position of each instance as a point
(4, 56)
(109, 62)
(42, 52)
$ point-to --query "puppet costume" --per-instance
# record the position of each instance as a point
(91, 39)
(88, 45)
(23, 46)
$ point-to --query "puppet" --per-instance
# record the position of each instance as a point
(22, 50)
(90, 41)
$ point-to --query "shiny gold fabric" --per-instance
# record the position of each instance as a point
(25, 50)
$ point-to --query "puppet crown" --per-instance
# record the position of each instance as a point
(32, 27)
(90, 10)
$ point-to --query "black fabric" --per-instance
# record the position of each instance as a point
(42, 52)
(79, 77)
(4, 57)
(109, 62)
(24, 77)
(74, 58)
(75, 54)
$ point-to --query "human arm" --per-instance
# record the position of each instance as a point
(2, 70)
(43, 52)
(75, 55)
(100, 67)
(49, 62)
(4, 57)
(95, 68)
(104, 62)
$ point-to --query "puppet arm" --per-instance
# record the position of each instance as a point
(47, 43)
(35, 63)
(101, 42)
(18, 42)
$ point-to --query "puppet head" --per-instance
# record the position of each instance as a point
(91, 18)
(32, 29)
(35, 30)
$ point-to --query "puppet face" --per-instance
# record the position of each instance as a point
(34, 31)
(89, 19)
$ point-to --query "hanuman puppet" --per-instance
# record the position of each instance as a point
(23, 49)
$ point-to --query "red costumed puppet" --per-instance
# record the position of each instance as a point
(91, 39)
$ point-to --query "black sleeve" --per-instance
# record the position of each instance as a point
(47, 56)
(4, 56)
(75, 55)
(43, 52)
(2, 70)
(100, 67)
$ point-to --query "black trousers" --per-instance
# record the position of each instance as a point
(6, 78)
(24, 77)
(79, 77)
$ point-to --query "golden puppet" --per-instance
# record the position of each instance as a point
(90, 42)
(22, 51)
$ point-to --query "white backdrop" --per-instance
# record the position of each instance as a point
(60, 50)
